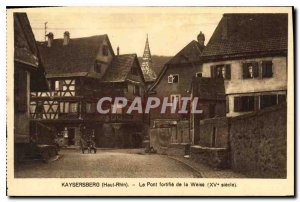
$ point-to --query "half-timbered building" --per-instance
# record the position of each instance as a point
(80, 72)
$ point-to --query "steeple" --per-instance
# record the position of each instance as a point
(146, 66)
(147, 53)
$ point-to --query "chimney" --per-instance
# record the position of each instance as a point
(50, 39)
(118, 50)
(201, 39)
(66, 38)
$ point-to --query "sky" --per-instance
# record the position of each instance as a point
(169, 29)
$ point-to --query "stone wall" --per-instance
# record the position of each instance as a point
(218, 126)
(214, 157)
(258, 143)
(167, 137)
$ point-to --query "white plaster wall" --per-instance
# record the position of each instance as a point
(237, 85)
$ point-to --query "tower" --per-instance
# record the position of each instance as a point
(146, 66)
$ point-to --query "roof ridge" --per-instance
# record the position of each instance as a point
(77, 38)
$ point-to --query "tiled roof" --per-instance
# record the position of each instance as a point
(119, 68)
(244, 34)
(26, 52)
(78, 56)
(25, 49)
(190, 53)
(243, 47)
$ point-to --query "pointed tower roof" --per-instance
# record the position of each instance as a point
(146, 66)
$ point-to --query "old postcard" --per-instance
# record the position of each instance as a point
(150, 101)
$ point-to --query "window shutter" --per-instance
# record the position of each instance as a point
(237, 104)
(270, 69)
(245, 70)
(251, 103)
(263, 66)
(228, 72)
(267, 69)
(256, 103)
(227, 104)
(213, 71)
(255, 70)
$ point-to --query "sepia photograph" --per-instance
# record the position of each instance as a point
(116, 97)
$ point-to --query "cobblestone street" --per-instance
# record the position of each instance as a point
(107, 163)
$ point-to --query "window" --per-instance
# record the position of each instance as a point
(173, 78)
(105, 50)
(170, 79)
(221, 71)
(56, 86)
(199, 74)
(250, 70)
(244, 104)
(267, 101)
(267, 69)
(136, 90)
(73, 107)
(90, 107)
(64, 107)
(97, 67)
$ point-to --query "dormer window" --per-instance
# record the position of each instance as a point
(173, 78)
(97, 67)
(105, 50)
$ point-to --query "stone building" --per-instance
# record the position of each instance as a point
(81, 71)
(250, 52)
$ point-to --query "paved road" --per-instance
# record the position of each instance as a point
(106, 163)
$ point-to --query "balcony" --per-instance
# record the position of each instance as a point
(93, 117)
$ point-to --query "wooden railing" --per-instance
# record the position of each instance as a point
(89, 117)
